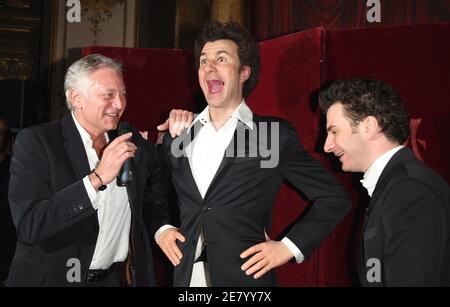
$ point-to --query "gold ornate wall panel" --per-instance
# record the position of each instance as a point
(21, 4)
(15, 69)
(229, 10)
(98, 12)
(190, 15)
(20, 38)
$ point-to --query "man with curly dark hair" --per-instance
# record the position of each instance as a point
(405, 234)
(226, 193)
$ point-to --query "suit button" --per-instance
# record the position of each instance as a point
(206, 209)
(80, 207)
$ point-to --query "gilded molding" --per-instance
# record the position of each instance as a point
(21, 4)
(98, 11)
(15, 69)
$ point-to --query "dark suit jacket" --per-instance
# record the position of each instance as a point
(54, 217)
(237, 208)
(407, 226)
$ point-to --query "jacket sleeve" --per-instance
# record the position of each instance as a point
(158, 190)
(414, 229)
(38, 211)
(330, 201)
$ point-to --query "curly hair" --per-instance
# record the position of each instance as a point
(247, 49)
(369, 97)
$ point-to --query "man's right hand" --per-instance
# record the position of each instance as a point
(112, 159)
(167, 241)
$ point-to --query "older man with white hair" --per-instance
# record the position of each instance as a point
(75, 225)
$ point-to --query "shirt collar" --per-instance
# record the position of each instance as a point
(241, 113)
(85, 137)
(372, 175)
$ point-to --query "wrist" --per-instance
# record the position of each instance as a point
(94, 181)
(97, 181)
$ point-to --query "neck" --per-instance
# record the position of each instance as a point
(219, 116)
(95, 136)
(98, 138)
(99, 145)
(380, 149)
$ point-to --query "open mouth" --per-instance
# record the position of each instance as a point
(112, 115)
(215, 86)
(340, 155)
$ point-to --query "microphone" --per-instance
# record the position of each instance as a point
(125, 174)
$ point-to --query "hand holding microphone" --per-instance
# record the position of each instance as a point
(125, 175)
(113, 162)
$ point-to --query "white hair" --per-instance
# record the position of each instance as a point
(83, 68)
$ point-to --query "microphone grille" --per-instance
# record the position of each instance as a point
(124, 127)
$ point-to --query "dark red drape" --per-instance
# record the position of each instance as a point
(414, 59)
(272, 18)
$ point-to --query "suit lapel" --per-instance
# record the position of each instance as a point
(399, 158)
(227, 162)
(184, 161)
(186, 170)
(74, 147)
(132, 186)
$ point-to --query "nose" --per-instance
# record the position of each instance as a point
(120, 102)
(329, 144)
(209, 66)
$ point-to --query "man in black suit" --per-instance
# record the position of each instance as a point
(225, 193)
(75, 225)
(406, 231)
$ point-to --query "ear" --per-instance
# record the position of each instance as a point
(370, 127)
(245, 73)
(75, 99)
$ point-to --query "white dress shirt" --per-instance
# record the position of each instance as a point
(113, 212)
(372, 175)
(205, 153)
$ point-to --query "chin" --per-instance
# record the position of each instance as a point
(350, 169)
(345, 168)
(112, 126)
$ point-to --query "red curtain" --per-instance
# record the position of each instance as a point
(414, 59)
(273, 18)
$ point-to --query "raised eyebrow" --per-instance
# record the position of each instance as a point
(330, 127)
(222, 51)
(217, 53)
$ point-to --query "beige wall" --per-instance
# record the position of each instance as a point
(70, 38)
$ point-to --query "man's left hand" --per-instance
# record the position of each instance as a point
(266, 256)
(176, 123)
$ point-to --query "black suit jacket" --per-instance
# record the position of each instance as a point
(54, 217)
(237, 208)
(407, 226)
